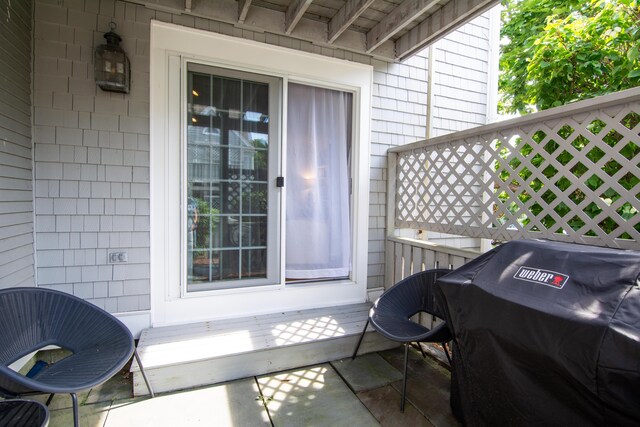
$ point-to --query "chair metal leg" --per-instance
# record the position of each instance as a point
(144, 375)
(76, 412)
(355, 352)
(424, 355)
(404, 375)
(446, 352)
(50, 398)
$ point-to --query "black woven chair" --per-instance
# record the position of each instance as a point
(391, 316)
(33, 318)
(23, 413)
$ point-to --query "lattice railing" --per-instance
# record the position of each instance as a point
(571, 174)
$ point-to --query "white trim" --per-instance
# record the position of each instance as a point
(494, 64)
(136, 321)
(493, 75)
(374, 293)
(431, 96)
(282, 168)
(169, 44)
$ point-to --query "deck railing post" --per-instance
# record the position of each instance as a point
(392, 162)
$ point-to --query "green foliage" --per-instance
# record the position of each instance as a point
(207, 221)
(555, 52)
(563, 183)
(558, 51)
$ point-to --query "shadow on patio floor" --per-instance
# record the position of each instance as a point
(363, 392)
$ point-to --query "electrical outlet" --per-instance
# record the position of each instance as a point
(117, 257)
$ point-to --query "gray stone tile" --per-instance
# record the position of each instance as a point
(428, 386)
(90, 415)
(313, 396)
(231, 404)
(117, 388)
(62, 400)
(384, 404)
(366, 372)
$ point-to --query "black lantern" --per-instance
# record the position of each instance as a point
(112, 69)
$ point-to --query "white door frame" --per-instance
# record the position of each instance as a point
(169, 46)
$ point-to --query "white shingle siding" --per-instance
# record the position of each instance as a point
(461, 75)
(16, 184)
(92, 147)
(88, 154)
(400, 104)
(460, 89)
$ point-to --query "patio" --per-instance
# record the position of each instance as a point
(77, 165)
(364, 392)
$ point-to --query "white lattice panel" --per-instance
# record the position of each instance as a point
(573, 177)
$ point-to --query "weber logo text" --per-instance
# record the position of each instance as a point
(543, 277)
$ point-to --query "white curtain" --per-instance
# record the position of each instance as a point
(318, 243)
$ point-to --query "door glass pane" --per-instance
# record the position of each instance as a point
(227, 175)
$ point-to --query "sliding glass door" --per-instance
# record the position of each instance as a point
(232, 122)
(231, 211)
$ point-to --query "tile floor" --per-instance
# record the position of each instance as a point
(363, 392)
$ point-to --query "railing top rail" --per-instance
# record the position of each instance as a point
(423, 244)
(601, 102)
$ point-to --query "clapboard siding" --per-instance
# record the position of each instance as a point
(11, 135)
(14, 112)
(16, 178)
(18, 92)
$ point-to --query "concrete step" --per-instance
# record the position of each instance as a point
(185, 356)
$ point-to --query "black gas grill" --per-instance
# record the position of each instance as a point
(546, 333)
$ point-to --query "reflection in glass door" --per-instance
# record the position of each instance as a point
(230, 121)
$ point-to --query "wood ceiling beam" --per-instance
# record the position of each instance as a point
(294, 13)
(270, 21)
(399, 18)
(443, 21)
(351, 10)
(243, 9)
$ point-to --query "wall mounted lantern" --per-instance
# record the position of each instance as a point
(112, 68)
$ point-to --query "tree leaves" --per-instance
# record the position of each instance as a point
(558, 51)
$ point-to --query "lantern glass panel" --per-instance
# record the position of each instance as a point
(112, 68)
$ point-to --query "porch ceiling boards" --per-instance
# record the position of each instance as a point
(391, 30)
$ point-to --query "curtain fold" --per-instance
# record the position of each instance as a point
(318, 237)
